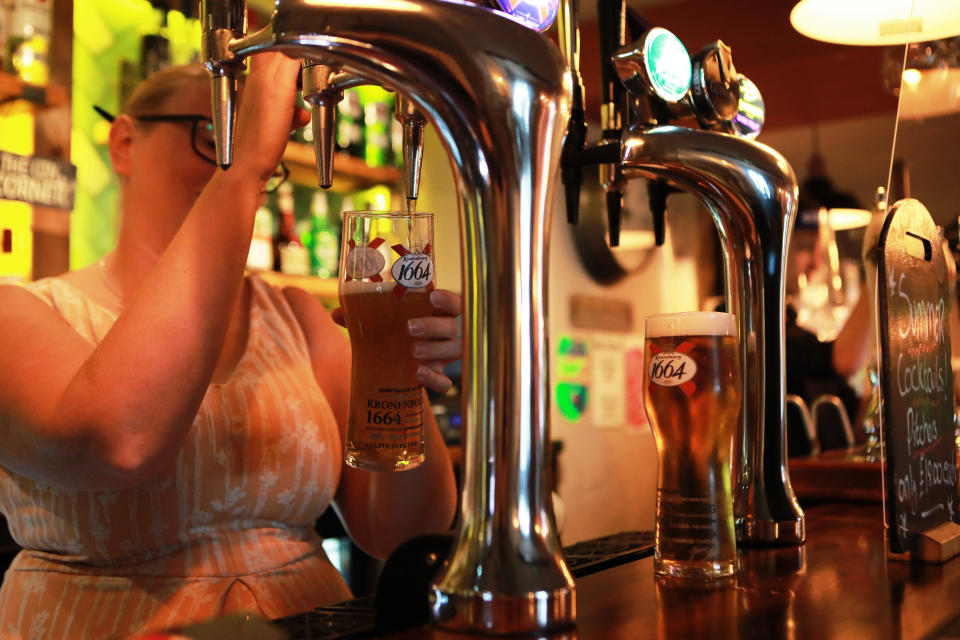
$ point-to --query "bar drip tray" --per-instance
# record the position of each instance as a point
(357, 618)
(350, 619)
(591, 556)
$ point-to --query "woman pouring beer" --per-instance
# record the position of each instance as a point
(172, 428)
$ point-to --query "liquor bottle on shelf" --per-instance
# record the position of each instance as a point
(324, 241)
(260, 257)
(28, 40)
(350, 124)
(290, 254)
(377, 119)
(155, 50)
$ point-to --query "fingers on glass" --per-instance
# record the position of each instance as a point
(432, 379)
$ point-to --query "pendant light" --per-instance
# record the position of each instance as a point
(876, 22)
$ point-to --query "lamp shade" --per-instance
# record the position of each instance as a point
(876, 22)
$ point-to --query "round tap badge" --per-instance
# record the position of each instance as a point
(751, 111)
(364, 262)
(535, 14)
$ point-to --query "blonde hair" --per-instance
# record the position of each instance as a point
(154, 92)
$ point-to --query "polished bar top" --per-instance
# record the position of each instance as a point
(839, 585)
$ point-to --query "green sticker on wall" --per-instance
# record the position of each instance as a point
(571, 400)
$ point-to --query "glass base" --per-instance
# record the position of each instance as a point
(358, 460)
(694, 569)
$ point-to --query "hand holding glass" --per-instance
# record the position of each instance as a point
(386, 276)
(692, 396)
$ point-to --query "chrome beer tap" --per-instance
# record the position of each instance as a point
(223, 22)
(323, 87)
(751, 194)
(499, 101)
(413, 124)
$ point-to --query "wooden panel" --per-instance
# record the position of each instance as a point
(51, 228)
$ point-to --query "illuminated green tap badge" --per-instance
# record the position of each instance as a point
(667, 63)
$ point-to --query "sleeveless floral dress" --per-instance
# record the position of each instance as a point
(228, 528)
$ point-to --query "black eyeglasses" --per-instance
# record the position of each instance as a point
(201, 139)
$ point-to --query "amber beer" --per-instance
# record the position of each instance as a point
(692, 396)
(386, 276)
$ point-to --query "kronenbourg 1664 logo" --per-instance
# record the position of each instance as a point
(673, 368)
(364, 262)
(412, 270)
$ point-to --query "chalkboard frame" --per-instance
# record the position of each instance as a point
(911, 508)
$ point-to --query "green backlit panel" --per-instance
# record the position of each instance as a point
(107, 32)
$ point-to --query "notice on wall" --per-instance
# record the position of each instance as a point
(916, 377)
(608, 381)
(45, 182)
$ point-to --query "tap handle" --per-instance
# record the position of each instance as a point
(657, 192)
(611, 20)
(748, 120)
(614, 208)
(223, 22)
(323, 100)
(413, 124)
(657, 68)
(715, 90)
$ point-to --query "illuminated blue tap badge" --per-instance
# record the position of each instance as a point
(750, 112)
(536, 14)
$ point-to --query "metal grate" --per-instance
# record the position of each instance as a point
(356, 618)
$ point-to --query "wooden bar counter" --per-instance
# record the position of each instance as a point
(840, 584)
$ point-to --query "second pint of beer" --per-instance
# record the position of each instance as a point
(692, 395)
(386, 276)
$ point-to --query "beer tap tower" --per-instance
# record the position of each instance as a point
(750, 193)
(499, 100)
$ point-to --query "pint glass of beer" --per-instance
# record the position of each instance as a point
(386, 276)
(692, 397)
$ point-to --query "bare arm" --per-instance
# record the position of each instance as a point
(380, 509)
(852, 345)
(113, 415)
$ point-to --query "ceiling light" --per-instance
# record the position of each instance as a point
(876, 22)
(842, 219)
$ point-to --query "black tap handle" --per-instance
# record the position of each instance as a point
(637, 24)
(657, 192)
(611, 23)
(614, 207)
(571, 172)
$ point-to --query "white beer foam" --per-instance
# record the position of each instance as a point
(691, 323)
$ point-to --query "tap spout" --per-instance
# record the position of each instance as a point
(499, 101)
(413, 124)
(323, 87)
(751, 194)
(223, 22)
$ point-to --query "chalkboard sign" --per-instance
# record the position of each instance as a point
(916, 378)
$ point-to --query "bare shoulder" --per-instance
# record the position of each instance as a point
(27, 320)
(19, 303)
(39, 352)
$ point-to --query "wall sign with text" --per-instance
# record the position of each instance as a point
(44, 182)
(916, 378)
